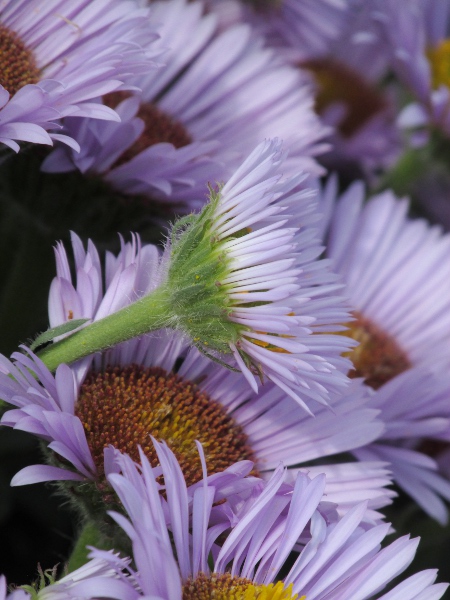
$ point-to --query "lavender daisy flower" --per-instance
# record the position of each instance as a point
(300, 30)
(200, 116)
(337, 559)
(197, 401)
(245, 289)
(351, 99)
(397, 277)
(417, 34)
(99, 578)
(57, 59)
(416, 411)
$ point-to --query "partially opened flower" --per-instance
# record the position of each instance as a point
(243, 282)
(177, 553)
(98, 578)
(217, 97)
(60, 60)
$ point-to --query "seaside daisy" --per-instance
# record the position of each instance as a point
(417, 35)
(218, 95)
(350, 96)
(397, 275)
(301, 30)
(258, 531)
(397, 278)
(98, 578)
(415, 409)
(160, 389)
(242, 286)
(59, 57)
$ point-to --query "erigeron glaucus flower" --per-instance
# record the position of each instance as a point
(196, 119)
(178, 555)
(122, 403)
(417, 34)
(98, 578)
(415, 409)
(300, 29)
(243, 287)
(153, 385)
(350, 96)
(397, 277)
(59, 56)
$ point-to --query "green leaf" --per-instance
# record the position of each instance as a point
(51, 334)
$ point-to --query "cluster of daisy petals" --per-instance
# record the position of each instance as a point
(241, 444)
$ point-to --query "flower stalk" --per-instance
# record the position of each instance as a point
(147, 314)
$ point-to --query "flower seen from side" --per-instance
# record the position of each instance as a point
(98, 578)
(243, 287)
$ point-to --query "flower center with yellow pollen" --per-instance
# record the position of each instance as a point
(227, 587)
(124, 406)
(159, 127)
(378, 358)
(439, 58)
(18, 67)
(338, 83)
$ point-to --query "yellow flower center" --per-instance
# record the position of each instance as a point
(18, 67)
(226, 587)
(125, 406)
(378, 358)
(439, 58)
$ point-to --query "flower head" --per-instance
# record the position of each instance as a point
(245, 288)
(397, 278)
(98, 578)
(58, 62)
(198, 117)
(240, 277)
(336, 558)
(417, 35)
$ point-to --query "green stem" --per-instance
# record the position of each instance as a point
(89, 536)
(147, 314)
(402, 176)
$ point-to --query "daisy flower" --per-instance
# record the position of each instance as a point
(196, 119)
(98, 578)
(300, 30)
(130, 394)
(417, 35)
(350, 98)
(415, 409)
(60, 57)
(397, 278)
(245, 289)
(397, 275)
(337, 559)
